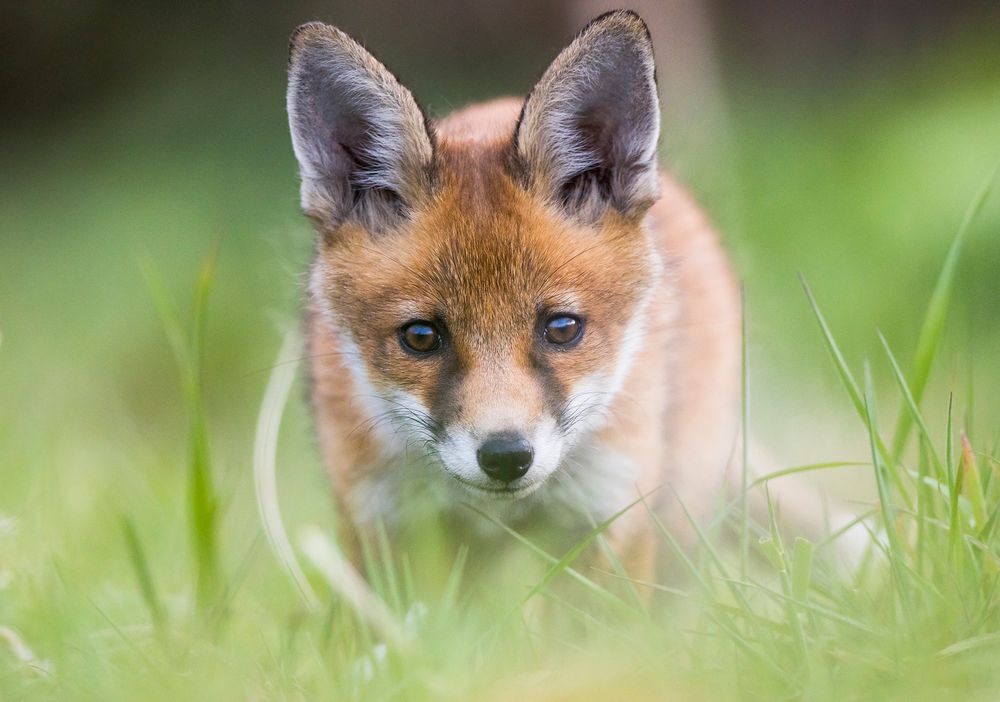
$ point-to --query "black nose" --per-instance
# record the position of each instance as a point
(505, 457)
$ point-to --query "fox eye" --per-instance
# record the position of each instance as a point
(420, 337)
(563, 329)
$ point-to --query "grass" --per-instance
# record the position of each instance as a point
(916, 617)
(140, 560)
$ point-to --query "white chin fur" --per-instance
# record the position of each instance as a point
(502, 494)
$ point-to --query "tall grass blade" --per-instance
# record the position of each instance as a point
(578, 548)
(265, 449)
(202, 500)
(854, 391)
(348, 584)
(925, 509)
(745, 436)
(23, 653)
(970, 644)
(802, 558)
(932, 329)
(839, 362)
(955, 479)
(894, 550)
(170, 319)
(140, 565)
(973, 483)
(911, 404)
(807, 468)
(450, 593)
(553, 561)
(825, 612)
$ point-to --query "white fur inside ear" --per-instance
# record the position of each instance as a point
(589, 130)
(358, 135)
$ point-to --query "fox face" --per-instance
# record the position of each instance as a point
(486, 277)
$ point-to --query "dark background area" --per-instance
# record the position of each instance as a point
(60, 58)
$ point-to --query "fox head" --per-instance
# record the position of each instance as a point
(485, 276)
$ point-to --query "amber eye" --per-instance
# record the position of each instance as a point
(563, 330)
(420, 337)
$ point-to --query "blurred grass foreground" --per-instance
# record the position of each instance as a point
(166, 530)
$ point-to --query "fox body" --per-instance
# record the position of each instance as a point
(512, 307)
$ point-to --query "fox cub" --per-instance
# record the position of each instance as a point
(512, 307)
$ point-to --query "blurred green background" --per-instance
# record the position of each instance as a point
(842, 140)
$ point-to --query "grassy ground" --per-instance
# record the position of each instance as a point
(133, 560)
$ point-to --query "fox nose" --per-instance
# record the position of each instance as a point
(505, 457)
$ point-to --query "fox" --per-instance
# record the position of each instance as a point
(513, 308)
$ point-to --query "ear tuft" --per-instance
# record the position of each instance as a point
(361, 141)
(588, 131)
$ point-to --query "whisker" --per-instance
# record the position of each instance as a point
(300, 359)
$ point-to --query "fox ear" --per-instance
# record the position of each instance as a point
(362, 143)
(588, 131)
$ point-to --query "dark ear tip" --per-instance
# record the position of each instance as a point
(303, 32)
(309, 33)
(622, 20)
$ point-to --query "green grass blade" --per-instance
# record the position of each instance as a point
(955, 477)
(911, 404)
(713, 554)
(137, 556)
(618, 568)
(745, 436)
(450, 593)
(202, 500)
(825, 612)
(802, 558)
(348, 584)
(552, 560)
(854, 391)
(895, 551)
(806, 468)
(839, 362)
(925, 509)
(563, 563)
(932, 329)
(393, 595)
(846, 527)
(986, 533)
(170, 319)
(973, 483)
(971, 644)
(679, 551)
(265, 448)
